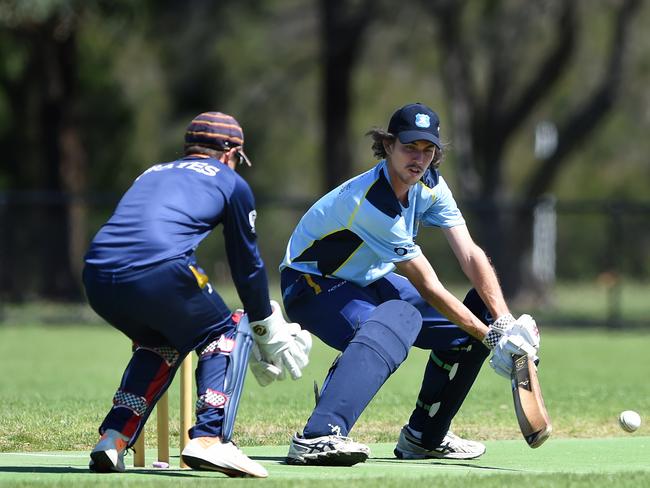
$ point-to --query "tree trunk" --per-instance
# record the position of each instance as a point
(47, 168)
(341, 29)
(485, 125)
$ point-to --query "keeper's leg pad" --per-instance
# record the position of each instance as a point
(236, 374)
(147, 376)
(220, 377)
(379, 346)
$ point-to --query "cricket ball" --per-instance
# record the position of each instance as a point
(629, 420)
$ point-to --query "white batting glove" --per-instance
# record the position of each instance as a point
(280, 344)
(508, 337)
(526, 327)
(498, 329)
(510, 345)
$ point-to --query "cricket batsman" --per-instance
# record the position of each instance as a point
(141, 275)
(339, 282)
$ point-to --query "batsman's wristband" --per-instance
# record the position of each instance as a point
(497, 329)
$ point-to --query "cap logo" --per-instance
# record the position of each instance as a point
(422, 120)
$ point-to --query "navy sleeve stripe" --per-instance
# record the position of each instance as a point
(430, 177)
(331, 251)
(382, 197)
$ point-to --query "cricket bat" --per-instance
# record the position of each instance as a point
(534, 422)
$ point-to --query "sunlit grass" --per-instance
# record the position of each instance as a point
(58, 382)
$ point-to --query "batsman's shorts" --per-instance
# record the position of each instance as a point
(332, 309)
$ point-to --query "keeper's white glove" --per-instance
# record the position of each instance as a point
(265, 373)
(279, 345)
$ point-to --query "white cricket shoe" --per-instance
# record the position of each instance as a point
(108, 455)
(409, 446)
(210, 454)
(328, 450)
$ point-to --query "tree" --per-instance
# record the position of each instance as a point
(343, 24)
(59, 114)
(43, 149)
(489, 105)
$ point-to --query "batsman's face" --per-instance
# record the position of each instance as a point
(408, 162)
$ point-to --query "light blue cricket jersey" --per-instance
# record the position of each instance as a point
(357, 231)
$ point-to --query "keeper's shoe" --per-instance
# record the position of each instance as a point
(210, 454)
(409, 446)
(328, 450)
(108, 455)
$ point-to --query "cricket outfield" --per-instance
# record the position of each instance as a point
(615, 462)
(57, 384)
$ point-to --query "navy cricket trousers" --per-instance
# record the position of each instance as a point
(166, 312)
(332, 309)
(335, 309)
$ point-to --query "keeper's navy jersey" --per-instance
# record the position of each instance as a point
(170, 209)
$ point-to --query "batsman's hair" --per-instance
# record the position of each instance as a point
(379, 136)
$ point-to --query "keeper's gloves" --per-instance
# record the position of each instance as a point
(279, 345)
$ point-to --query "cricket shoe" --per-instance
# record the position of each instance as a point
(108, 455)
(210, 454)
(328, 450)
(409, 446)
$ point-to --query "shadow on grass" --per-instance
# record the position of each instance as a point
(432, 462)
(401, 462)
(77, 470)
(277, 459)
(43, 469)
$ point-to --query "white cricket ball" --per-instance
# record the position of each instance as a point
(629, 420)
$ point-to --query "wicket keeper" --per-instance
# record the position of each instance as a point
(142, 277)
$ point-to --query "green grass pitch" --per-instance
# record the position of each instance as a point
(57, 383)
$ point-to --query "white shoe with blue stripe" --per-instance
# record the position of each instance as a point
(409, 446)
(327, 450)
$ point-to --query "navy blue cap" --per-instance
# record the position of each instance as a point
(415, 122)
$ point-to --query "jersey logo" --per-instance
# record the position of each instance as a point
(403, 251)
(422, 120)
(259, 330)
(252, 215)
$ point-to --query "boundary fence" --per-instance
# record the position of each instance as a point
(597, 245)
